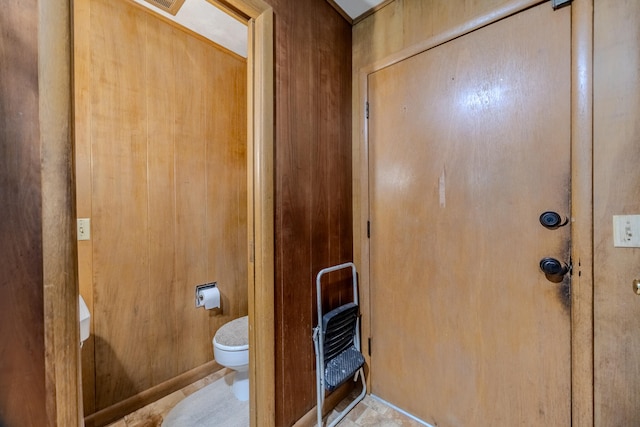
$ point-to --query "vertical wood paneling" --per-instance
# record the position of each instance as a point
(168, 195)
(119, 203)
(22, 373)
(160, 93)
(191, 185)
(313, 183)
(616, 192)
(424, 19)
(226, 124)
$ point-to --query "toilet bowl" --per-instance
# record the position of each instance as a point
(231, 349)
(84, 318)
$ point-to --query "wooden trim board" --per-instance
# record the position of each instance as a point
(62, 350)
(261, 219)
(582, 285)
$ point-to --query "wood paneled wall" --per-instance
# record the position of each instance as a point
(162, 172)
(22, 368)
(616, 192)
(313, 184)
(403, 23)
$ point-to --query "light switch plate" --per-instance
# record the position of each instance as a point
(626, 231)
(84, 228)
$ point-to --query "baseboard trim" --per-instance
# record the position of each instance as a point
(309, 419)
(135, 402)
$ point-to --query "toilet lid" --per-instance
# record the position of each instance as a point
(233, 335)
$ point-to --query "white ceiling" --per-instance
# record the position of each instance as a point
(204, 18)
(207, 20)
(355, 8)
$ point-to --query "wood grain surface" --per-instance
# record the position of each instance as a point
(469, 143)
(616, 192)
(22, 364)
(162, 174)
(313, 226)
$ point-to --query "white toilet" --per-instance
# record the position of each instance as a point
(231, 349)
(85, 320)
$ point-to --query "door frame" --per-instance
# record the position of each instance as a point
(581, 184)
(60, 278)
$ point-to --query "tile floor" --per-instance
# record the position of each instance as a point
(153, 414)
(369, 412)
(372, 412)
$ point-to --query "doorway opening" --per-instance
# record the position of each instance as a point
(67, 393)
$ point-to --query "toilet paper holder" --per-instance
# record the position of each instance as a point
(200, 289)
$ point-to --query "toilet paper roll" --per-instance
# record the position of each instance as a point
(210, 297)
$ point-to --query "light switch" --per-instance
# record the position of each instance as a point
(626, 231)
(84, 228)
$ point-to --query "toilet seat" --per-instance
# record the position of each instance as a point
(233, 336)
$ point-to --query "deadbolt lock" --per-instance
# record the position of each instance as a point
(553, 220)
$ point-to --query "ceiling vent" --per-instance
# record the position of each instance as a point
(169, 6)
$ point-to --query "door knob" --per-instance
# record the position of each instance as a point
(553, 268)
(552, 220)
(636, 286)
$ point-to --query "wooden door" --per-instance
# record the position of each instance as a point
(469, 143)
